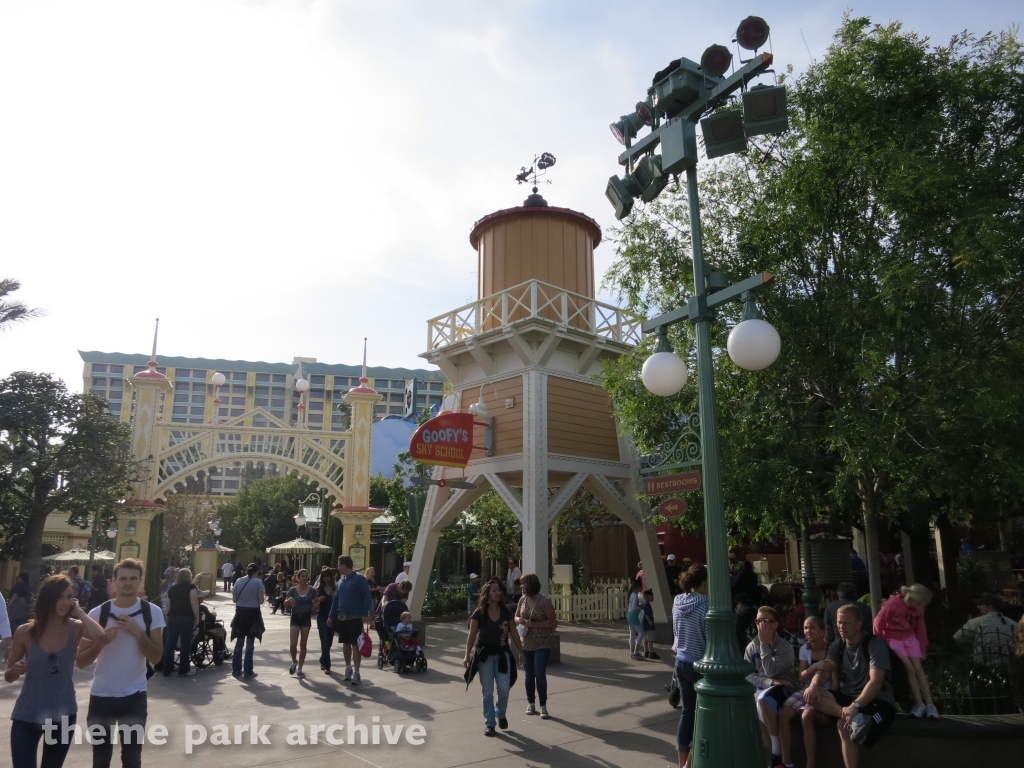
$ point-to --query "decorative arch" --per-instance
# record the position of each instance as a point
(167, 486)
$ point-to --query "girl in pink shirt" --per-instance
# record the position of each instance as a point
(900, 623)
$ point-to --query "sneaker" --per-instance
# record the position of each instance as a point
(503, 723)
(250, 674)
(489, 730)
(348, 674)
(355, 677)
(919, 710)
(531, 709)
(932, 712)
(300, 673)
(637, 656)
(291, 670)
(859, 726)
(193, 670)
(653, 655)
(543, 713)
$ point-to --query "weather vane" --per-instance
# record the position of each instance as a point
(539, 168)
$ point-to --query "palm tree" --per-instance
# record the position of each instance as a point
(12, 311)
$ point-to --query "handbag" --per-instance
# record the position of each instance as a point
(364, 644)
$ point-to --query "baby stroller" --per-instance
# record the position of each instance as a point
(209, 641)
(400, 651)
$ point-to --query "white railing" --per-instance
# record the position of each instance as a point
(534, 299)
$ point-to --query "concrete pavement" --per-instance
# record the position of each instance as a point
(606, 709)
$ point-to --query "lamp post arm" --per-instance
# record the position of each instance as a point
(691, 312)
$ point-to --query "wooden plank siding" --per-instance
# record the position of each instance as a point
(580, 420)
(508, 422)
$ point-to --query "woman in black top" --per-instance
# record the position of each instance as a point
(488, 652)
(302, 599)
(182, 619)
(325, 591)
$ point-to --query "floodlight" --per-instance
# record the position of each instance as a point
(626, 127)
(620, 193)
(716, 60)
(649, 177)
(764, 110)
(645, 111)
(723, 133)
(677, 86)
(752, 33)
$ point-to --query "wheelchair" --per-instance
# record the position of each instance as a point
(209, 641)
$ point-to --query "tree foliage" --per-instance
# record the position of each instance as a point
(59, 452)
(263, 513)
(492, 528)
(12, 310)
(186, 525)
(891, 217)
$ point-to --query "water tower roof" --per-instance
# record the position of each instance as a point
(537, 210)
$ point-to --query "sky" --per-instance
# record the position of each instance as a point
(276, 179)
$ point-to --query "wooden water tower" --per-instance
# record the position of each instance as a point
(530, 348)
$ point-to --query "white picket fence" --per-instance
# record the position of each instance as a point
(608, 602)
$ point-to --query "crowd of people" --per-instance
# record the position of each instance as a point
(842, 666)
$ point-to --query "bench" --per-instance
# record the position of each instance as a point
(972, 740)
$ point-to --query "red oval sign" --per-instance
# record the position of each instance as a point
(672, 508)
(446, 440)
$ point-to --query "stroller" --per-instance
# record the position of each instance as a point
(397, 650)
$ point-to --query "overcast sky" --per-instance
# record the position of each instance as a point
(279, 179)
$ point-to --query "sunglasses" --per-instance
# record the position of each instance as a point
(54, 664)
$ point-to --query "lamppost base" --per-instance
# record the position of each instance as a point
(727, 733)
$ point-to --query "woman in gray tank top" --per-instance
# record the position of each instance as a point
(44, 652)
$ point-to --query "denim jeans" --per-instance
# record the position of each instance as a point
(687, 678)
(326, 640)
(636, 638)
(236, 658)
(489, 676)
(536, 669)
(25, 743)
(124, 711)
(179, 629)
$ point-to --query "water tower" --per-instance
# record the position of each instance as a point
(529, 349)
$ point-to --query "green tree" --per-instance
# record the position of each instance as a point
(59, 452)
(12, 310)
(492, 528)
(890, 217)
(263, 513)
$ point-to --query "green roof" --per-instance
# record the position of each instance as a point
(376, 372)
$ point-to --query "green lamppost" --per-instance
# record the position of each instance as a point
(727, 731)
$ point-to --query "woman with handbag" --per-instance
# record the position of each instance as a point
(488, 652)
(535, 622)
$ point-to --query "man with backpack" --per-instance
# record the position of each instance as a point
(81, 586)
(133, 640)
(862, 695)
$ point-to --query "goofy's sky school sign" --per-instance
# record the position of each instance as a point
(446, 440)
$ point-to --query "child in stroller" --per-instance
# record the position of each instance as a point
(399, 641)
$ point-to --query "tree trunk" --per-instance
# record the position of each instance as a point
(33, 549)
(950, 552)
(874, 568)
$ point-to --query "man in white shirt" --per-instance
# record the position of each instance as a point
(515, 589)
(117, 700)
(226, 570)
(403, 575)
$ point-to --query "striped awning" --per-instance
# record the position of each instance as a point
(299, 547)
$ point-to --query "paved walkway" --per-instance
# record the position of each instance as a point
(606, 710)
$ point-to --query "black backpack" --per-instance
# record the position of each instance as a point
(146, 609)
(897, 671)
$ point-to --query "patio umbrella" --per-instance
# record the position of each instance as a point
(304, 549)
(77, 557)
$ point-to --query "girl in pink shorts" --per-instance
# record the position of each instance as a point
(900, 622)
(811, 657)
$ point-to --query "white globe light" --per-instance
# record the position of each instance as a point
(219, 379)
(301, 385)
(754, 344)
(664, 373)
